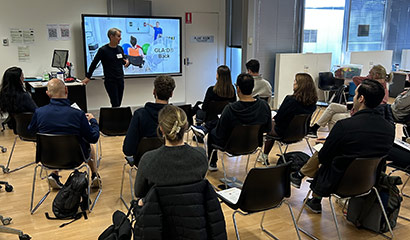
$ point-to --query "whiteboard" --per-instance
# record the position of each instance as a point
(288, 64)
(370, 58)
(405, 60)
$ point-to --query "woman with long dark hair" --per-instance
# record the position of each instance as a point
(222, 91)
(302, 101)
(13, 95)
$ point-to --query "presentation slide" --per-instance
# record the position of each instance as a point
(152, 45)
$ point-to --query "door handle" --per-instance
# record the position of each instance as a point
(187, 62)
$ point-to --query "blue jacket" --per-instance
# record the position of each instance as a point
(59, 117)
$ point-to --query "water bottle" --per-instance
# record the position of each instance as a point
(46, 76)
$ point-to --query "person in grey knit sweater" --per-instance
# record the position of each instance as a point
(175, 163)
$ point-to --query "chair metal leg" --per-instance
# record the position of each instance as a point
(247, 163)
(405, 183)
(281, 152)
(334, 217)
(122, 186)
(300, 213)
(384, 213)
(223, 167)
(234, 224)
(32, 210)
(293, 218)
(310, 148)
(131, 182)
(264, 230)
(6, 168)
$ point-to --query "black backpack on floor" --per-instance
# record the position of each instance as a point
(298, 160)
(365, 211)
(72, 195)
(121, 228)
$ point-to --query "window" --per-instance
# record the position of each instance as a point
(310, 36)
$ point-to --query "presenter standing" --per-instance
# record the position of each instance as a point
(112, 58)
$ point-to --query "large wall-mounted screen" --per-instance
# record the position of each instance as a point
(151, 44)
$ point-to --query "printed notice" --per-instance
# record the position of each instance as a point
(16, 35)
(202, 39)
(52, 32)
(65, 33)
(24, 53)
(28, 36)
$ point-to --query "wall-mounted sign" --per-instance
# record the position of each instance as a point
(202, 39)
(188, 18)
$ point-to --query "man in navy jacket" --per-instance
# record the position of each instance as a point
(145, 120)
(59, 117)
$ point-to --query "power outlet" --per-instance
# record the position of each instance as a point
(5, 41)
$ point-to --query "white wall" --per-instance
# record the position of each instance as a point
(37, 14)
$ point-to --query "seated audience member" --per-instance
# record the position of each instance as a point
(13, 96)
(262, 87)
(223, 91)
(145, 120)
(401, 107)
(248, 110)
(336, 112)
(59, 117)
(365, 134)
(175, 163)
(302, 101)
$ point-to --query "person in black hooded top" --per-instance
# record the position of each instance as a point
(145, 120)
(248, 110)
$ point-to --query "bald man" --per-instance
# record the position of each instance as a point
(59, 117)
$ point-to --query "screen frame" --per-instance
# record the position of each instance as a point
(55, 54)
(145, 75)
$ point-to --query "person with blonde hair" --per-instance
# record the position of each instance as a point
(175, 163)
(302, 101)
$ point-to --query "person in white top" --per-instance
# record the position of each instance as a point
(262, 87)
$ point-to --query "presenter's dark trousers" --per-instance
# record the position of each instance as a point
(115, 91)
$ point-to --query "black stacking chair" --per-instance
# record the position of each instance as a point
(22, 122)
(145, 145)
(59, 152)
(358, 180)
(215, 108)
(296, 132)
(264, 189)
(328, 83)
(113, 121)
(187, 108)
(244, 140)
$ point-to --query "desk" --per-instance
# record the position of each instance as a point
(76, 93)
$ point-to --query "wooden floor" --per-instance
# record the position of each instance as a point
(16, 204)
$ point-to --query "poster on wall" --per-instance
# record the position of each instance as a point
(28, 36)
(52, 32)
(23, 53)
(65, 32)
(16, 35)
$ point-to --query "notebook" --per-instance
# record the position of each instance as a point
(231, 194)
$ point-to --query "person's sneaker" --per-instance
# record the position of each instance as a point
(96, 181)
(198, 130)
(212, 167)
(314, 206)
(263, 158)
(54, 181)
(200, 139)
(312, 133)
(295, 179)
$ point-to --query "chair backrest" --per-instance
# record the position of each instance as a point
(297, 129)
(326, 80)
(265, 188)
(59, 151)
(399, 82)
(145, 145)
(244, 139)
(115, 121)
(215, 108)
(22, 122)
(188, 111)
(359, 177)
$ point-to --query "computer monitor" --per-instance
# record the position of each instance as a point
(60, 58)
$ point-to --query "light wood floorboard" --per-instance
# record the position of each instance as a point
(16, 204)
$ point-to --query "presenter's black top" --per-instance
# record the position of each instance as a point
(112, 60)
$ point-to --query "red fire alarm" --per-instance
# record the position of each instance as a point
(188, 18)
